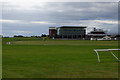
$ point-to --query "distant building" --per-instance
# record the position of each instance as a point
(106, 38)
(97, 34)
(72, 32)
(52, 32)
(117, 37)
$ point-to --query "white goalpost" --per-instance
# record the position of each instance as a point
(109, 50)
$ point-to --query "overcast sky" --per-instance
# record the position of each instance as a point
(32, 17)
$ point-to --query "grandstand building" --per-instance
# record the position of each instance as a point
(70, 32)
(97, 34)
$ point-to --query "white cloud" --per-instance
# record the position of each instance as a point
(59, 10)
(29, 4)
(21, 32)
(106, 21)
(99, 21)
(9, 21)
(41, 22)
(22, 4)
(34, 1)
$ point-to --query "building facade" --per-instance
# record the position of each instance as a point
(52, 32)
(71, 32)
(97, 34)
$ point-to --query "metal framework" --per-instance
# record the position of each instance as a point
(109, 50)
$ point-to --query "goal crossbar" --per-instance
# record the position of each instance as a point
(110, 50)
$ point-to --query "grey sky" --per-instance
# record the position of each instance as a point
(35, 18)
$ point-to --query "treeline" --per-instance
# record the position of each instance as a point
(43, 35)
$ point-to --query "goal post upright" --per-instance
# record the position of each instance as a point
(98, 56)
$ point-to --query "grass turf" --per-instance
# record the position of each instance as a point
(34, 58)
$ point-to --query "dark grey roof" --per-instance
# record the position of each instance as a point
(73, 27)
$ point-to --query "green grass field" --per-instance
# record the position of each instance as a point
(34, 58)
